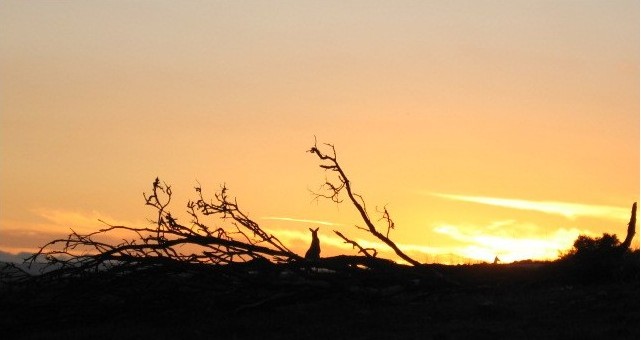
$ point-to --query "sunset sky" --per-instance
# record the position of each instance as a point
(487, 128)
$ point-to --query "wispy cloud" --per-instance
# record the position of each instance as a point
(290, 219)
(82, 221)
(48, 224)
(568, 210)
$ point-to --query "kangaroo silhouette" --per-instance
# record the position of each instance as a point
(313, 253)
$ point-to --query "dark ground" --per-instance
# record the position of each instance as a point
(515, 301)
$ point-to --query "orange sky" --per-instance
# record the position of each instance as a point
(486, 127)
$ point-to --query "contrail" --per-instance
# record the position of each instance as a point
(568, 210)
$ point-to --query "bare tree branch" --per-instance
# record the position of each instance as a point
(329, 162)
(240, 240)
(386, 217)
(364, 251)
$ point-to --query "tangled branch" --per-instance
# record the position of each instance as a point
(241, 240)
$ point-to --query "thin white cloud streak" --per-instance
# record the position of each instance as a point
(290, 219)
(568, 210)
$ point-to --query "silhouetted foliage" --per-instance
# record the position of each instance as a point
(594, 259)
(586, 246)
(598, 259)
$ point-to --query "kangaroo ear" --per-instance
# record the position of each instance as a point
(312, 230)
(316, 229)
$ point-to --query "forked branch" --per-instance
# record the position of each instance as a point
(329, 162)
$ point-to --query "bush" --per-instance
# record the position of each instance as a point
(598, 259)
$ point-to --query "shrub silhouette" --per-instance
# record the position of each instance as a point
(587, 247)
(593, 259)
(599, 259)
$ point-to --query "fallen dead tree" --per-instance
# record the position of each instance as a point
(221, 238)
(237, 239)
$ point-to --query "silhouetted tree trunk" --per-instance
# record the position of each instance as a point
(631, 227)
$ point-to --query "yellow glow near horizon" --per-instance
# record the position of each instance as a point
(474, 243)
(529, 111)
(509, 249)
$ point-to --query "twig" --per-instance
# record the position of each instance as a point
(361, 250)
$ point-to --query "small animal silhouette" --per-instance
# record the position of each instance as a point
(313, 253)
